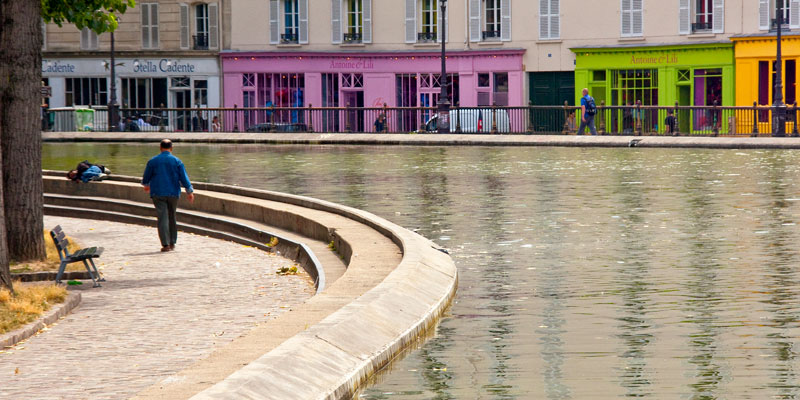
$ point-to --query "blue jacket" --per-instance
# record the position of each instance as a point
(165, 174)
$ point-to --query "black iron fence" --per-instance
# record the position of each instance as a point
(562, 120)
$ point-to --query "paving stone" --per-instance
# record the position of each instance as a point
(156, 314)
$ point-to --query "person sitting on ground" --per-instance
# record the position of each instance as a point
(215, 125)
(86, 171)
(380, 123)
(669, 122)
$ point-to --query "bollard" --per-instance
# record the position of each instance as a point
(529, 130)
(494, 119)
(638, 118)
(677, 131)
(565, 128)
(235, 119)
(755, 120)
(310, 127)
(386, 119)
(715, 117)
(794, 114)
(347, 119)
(602, 128)
(458, 119)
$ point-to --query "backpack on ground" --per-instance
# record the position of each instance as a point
(591, 108)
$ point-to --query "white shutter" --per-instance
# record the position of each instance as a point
(684, 18)
(274, 28)
(145, 10)
(505, 20)
(154, 25)
(213, 26)
(638, 18)
(719, 16)
(303, 21)
(763, 14)
(336, 21)
(474, 20)
(411, 21)
(544, 19)
(94, 38)
(366, 30)
(794, 14)
(625, 13)
(555, 19)
(184, 26)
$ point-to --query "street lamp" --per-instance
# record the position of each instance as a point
(443, 122)
(113, 117)
(778, 108)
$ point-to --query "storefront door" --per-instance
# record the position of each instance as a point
(182, 99)
(355, 118)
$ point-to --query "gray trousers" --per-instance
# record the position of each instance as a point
(167, 225)
(590, 123)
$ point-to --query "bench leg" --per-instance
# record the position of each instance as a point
(96, 272)
(91, 274)
(61, 268)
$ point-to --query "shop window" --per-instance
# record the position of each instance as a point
(483, 80)
(249, 80)
(490, 20)
(149, 25)
(629, 88)
(707, 92)
(88, 39)
(549, 20)
(684, 75)
(599, 76)
(632, 12)
(500, 92)
(351, 81)
(202, 21)
(201, 93)
(789, 82)
(180, 82)
(492, 89)
(85, 92)
(144, 92)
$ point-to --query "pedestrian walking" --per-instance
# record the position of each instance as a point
(163, 177)
(588, 110)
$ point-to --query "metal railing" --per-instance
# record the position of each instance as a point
(426, 37)
(489, 35)
(559, 120)
(352, 37)
(289, 38)
(200, 42)
(702, 27)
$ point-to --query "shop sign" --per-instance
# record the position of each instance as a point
(164, 65)
(57, 67)
(662, 59)
(356, 65)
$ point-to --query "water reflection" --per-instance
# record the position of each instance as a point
(583, 273)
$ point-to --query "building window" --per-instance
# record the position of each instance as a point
(149, 25)
(144, 92)
(632, 13)
(492, 18)
(88, 39)
(429, 21)
(200, 27)
(354, 21)
(703, 16)
(85, 92)
(768, 18)
(492, 89)
(291, 22)
(549, 21)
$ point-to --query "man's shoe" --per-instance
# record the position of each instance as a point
(165, 249)
(172, 247)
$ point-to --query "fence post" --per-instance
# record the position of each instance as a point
(385, 119)
(602, 127)
(715, 119)
(458, 118)
(755, 120)
(530, 118)
(638, 118)
(565, 128)
(794, 114)
(310, 127)
(677, 130)
(235, 119)
(347, 118)
(494, 118)
(272, 118)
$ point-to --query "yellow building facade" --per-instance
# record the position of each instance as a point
(755, 68)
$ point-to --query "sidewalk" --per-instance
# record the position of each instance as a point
(156, 314)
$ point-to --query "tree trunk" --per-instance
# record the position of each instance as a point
(20, 127)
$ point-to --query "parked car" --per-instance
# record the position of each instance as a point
(473, 120)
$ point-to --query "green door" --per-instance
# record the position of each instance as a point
(684, 116)
(550, 89)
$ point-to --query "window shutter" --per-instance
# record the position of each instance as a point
(555, 19)
(719, 16)
(274, 29)
(794, 14)
(184, 26)
(336, 21)
(303, 21)
(213, 26)
(684, 18)
(366, 31)
(474, 20)
(44, 34)
(505, 20)
(638, 17)
(154, 25)
(85, 39)
(763, 14)
(93, 39)
(145, 10)
(544, 19)
(626, 17)
(411, 21)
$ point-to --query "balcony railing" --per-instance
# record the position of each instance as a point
(426, 37)
(352, 38)
(200, 42)
(289, 38)
(699, 27)
(491, 35)
(773, 26)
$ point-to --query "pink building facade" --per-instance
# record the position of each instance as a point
(476, 78)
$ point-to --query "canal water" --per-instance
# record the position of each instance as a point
(585, 273)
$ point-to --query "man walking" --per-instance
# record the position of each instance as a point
(588, 110)
(163, 178)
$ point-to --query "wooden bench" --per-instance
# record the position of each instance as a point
(86, 255)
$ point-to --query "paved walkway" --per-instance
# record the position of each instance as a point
(157, 314)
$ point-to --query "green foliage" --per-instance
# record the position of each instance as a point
(97, 15)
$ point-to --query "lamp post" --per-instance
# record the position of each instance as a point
(443, 122)
(778, 108)
(113, 117)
